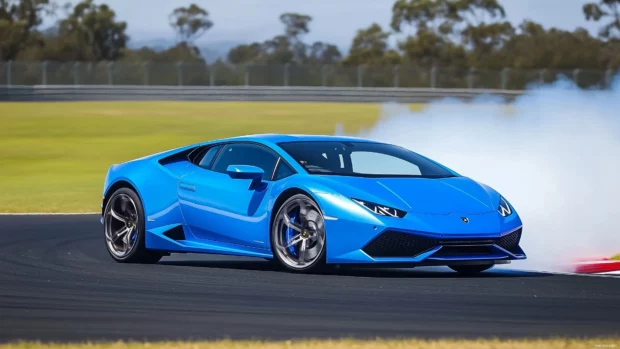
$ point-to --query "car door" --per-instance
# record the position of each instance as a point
(217, 207)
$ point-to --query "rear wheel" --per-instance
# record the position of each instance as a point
(123, 224)
(298, 235)
(470, 269)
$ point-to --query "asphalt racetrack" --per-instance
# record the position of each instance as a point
(57, 283)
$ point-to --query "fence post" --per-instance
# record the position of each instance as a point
(396, 71)
(44, 74)
(9, 71)
(324, 75)
(110, 72)
(247, 75)
(360, 76)
(286, 67)
(541, 76)
(470, 78)
(505, 76)
(609, 75)
(576, 73)
(434, 77)
(76, 73)
(146, 73)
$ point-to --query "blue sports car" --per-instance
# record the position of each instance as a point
(306, 201)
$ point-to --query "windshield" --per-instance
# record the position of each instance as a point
(362, 159)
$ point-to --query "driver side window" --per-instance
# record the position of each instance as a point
(246, 154)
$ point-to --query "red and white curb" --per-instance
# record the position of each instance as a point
(604, 266)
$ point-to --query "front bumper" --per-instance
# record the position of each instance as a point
(424, 240)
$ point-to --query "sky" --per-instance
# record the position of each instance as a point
(334, 21)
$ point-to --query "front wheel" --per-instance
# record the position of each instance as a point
(298, 235)
(123, 224)
(470, 269)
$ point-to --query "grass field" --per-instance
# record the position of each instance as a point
(341, 344)
(54, 156)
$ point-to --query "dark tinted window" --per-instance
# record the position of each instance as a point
(208, 156)
(282, 171)
(246, 154)
(362, 159)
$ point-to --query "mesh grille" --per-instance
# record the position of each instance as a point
(398, 244)
(449, 251)
(510, 242)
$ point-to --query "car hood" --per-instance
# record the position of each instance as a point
(419, 195)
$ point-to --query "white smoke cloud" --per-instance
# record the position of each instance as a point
(554, 154)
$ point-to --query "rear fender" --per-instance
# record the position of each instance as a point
(156, 185)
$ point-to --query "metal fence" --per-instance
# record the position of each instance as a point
(21, 73)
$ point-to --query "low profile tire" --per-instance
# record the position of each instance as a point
(123, 225)
(298, 235)
(471, 269)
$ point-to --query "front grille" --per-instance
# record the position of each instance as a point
(398, 244)
(510, 242)
(451, 251)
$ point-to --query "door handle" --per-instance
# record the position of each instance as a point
(187, 186)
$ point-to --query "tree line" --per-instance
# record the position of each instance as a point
(459, 34)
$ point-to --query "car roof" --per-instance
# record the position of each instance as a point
(280, 138)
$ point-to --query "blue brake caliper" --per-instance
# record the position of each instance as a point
(290, 233)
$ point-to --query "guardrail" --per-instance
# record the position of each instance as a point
(242, 93)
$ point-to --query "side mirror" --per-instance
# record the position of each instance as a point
(245, 172)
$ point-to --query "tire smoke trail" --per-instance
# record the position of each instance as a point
(554, 154)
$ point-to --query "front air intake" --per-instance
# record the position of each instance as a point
(510, 242)
(398, 244)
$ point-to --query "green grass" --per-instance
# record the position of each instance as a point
(54, 156)
(616, 257)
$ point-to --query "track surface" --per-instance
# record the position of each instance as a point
(58, 283)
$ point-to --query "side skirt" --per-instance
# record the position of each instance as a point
(174, 238)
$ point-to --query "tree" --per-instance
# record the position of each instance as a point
(179, 53)
(277, 51)
(368, 46)
(244, 54)
(442, 25)
(428, 48)
(324, 53)
(605, 9)
(443, 16)
(486, 41)
(286, 48)
(533, 47)
(18, 19)
(295, 24)
(190, 22)
(92, 32)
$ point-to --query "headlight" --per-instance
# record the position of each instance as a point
(381, 210)
(503, 207)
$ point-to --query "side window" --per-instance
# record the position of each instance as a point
(282, 171)
(208, 155)
(246, 154)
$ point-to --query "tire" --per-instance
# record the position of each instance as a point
(124, 229)
(470, 269)
(304, 224)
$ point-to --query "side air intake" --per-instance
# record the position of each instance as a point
(177, 233)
